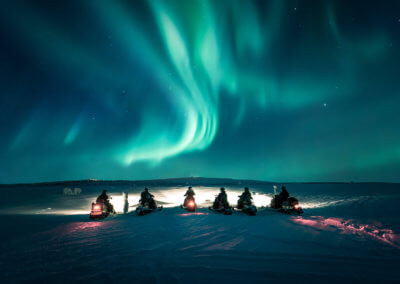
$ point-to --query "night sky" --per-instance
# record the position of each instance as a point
(268, 90)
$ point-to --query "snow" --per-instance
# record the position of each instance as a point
(349, 232)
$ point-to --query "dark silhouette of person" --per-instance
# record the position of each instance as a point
(284, 195)
(147, 197)
(245, 198)
(104, 199)
(189, 196)
(281, 197)
(221, 201)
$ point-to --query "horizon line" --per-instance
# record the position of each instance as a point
(182, 178)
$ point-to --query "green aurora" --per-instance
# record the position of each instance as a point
(269, 90)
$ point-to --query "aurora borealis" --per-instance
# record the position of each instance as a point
(269, 90)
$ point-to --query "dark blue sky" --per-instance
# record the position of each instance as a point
(269, 90)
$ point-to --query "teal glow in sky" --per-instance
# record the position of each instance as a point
(269, 90)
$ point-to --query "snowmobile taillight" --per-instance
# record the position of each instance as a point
(191, 204)
(296, 206)
(97, 210)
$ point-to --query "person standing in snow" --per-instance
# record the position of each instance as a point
(126, 203)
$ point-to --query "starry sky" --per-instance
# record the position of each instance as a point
(270, 90)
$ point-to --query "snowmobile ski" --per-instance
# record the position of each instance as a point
(141, 210)
(225, 211)
(250, 210)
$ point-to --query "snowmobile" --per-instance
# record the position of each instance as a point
(289, 206)
(189, 204)
(218, 207)
(147, 207)
(100, 211)
(248, 208)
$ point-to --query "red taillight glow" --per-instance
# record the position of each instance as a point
(296, 206)
(191, 204)
(96, 207)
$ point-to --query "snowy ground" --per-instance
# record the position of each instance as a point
(349, 232)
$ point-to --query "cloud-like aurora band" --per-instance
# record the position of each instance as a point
(161, 78)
